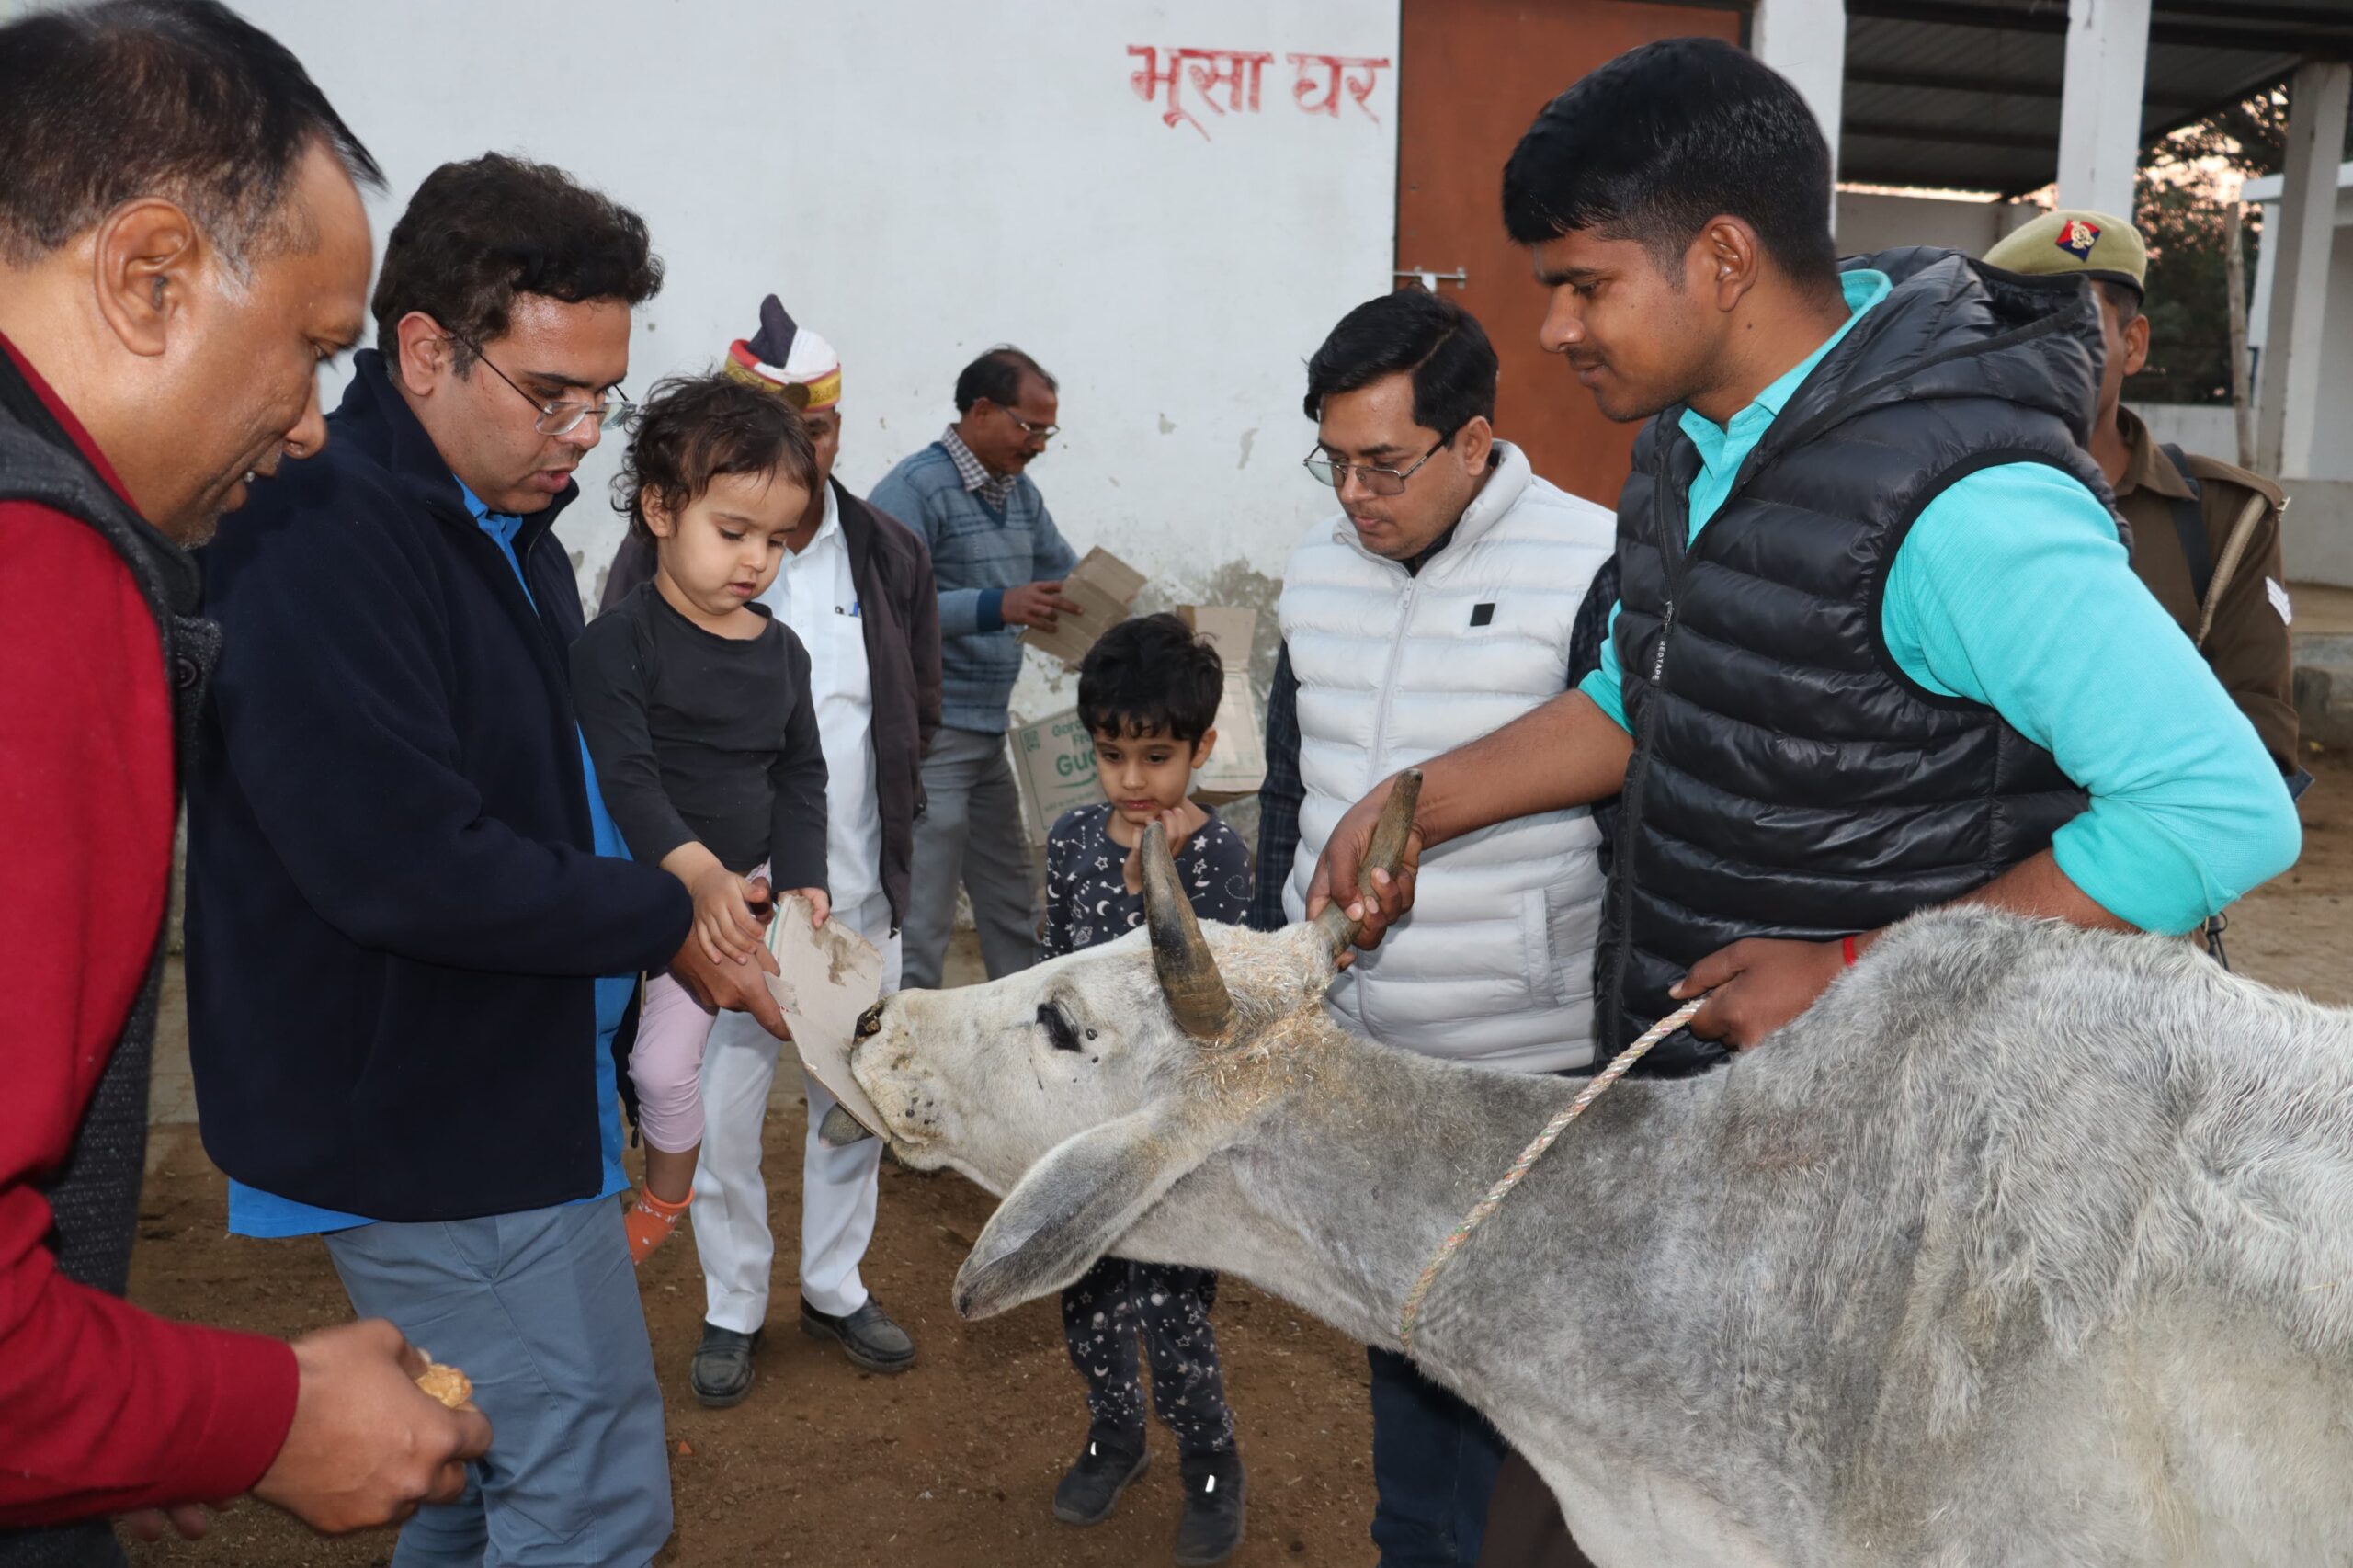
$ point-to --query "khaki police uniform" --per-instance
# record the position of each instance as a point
(2205, 533)
(2216, 522)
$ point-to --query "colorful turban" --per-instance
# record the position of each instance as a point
(787, 357)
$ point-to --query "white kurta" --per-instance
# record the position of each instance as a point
(814, 595)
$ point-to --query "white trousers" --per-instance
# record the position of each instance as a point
(838, 1186)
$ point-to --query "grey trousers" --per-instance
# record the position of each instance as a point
(541, 1310)
(970, 833)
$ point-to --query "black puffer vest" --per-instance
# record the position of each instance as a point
(94, 1200)
(1788, 778)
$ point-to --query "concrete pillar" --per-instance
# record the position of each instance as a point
(1806, 41)
(2100, 115)
(2296, 253)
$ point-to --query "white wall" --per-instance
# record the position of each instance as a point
(2331, 457)
(1805, 40)
(2194, 427)
(1873, 220)
(920, 179)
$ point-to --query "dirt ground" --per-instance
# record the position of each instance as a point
(953, 1464)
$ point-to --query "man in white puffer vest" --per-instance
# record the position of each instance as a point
(1442, 602)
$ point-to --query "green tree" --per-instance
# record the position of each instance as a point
(2177, 206)
(2181, 218)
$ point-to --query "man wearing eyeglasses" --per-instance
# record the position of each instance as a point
(999, 560)
(1454, 592)
(413, 938)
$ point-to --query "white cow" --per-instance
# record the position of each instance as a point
(2025, 1246)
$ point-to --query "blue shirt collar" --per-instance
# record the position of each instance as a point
(500, 526)
(1863, 288)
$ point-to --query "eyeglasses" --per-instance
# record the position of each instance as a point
(1379, 480)
(1040, 432)
(563, 418)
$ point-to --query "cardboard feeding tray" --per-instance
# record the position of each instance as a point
(1103, 586)
(831, 976)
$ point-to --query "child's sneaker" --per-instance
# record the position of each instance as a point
(1211, 1526)
(1092, 1489)
(649, 1222)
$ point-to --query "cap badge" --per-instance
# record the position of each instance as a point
(2076, 237)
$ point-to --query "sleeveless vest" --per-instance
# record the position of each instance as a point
(94, 1200)
(1494, 964)
(1788, 779)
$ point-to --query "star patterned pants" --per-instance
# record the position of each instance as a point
(1112, 1306)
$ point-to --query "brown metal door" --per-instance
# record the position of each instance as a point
(1472, 74)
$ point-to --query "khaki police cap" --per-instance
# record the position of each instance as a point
(2077, 244)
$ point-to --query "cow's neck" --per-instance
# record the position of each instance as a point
(1372, 1156)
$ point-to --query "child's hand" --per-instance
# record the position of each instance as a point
(820, 905)
(723, 919)
(1181, 821)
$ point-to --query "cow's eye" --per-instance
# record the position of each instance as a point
(1057, 1025)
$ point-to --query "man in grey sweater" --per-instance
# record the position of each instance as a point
(999, 562)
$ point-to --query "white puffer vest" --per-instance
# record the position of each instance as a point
(1494, 964)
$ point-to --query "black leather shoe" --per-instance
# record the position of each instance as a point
(722, 1375)
(1210, 1527)
(1089, 1492)
(867, 1337)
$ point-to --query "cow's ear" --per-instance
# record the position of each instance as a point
(1073, 1207)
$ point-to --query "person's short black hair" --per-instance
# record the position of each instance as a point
(694, 428)
(104, 104)
(2122, 297)
(998, 376)
(1441, 344)
(1663, 138)
(479, 233)
(1149, 675)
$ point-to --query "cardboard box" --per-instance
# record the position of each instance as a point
(1054, 760)
(1103, 586)
(1238, 766)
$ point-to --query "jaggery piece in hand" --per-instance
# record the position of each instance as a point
(447, 1384)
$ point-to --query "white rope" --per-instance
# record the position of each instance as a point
(1412, 1311)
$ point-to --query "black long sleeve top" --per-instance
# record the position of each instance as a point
(701, 737)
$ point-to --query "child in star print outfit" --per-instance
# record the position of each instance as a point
(1148, 693)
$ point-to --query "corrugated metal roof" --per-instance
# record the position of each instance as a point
(1965, 94)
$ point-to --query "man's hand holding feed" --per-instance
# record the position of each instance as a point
(732, 985)
(367, 1446)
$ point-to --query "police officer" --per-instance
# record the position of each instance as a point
(2205, 533)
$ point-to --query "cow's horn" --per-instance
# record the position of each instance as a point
(1180, 955)
(1385, 851)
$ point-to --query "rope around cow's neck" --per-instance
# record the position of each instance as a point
(1411, 1310)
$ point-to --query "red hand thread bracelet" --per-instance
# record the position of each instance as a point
(1847, 946)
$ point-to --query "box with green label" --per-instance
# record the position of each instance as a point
(1054, 760)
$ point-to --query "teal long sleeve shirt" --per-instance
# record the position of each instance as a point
(2013, 590)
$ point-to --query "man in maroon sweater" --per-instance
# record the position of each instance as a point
(190, 245)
